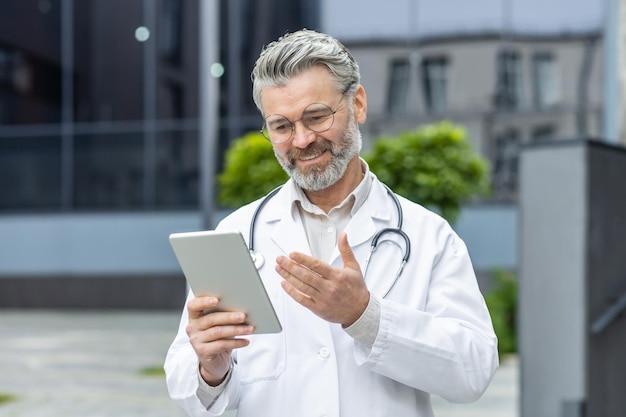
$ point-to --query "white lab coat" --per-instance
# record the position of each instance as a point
(435, 335)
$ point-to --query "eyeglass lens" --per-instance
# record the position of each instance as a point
(317, 117)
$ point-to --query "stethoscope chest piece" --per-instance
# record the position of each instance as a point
(257, 258)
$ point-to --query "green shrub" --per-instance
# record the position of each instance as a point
(433, 165)
(250, 171)
(152, 371)
(502, 304)
(5, 398)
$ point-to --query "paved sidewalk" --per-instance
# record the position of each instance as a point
(89, 364)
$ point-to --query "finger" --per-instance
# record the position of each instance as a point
(301, 278)
(308, 263)
(223, 333)
(299, 296)
(215, 318)
(347, 255)
(210, 349)
(218, 325)
(198, 305)
(223, 318)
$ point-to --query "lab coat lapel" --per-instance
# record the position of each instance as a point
(288, 233)
(374, 214)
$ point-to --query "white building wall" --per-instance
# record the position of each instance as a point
(400, 19)
(91, 244)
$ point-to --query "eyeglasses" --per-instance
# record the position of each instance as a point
(317, 117)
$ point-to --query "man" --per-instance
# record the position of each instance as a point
(351, 345)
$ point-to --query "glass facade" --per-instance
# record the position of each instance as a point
(98, 105)
(30, 62)
(30, 172)
(99, 99)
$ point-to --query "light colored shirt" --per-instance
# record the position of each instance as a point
(322, 232)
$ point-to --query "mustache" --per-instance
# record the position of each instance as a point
(312, 150)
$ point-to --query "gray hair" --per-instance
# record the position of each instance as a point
(295, 53)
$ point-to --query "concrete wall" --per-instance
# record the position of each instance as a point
(91, 244)
(552, 274)
(92, 260)
(572, 272)
(606, 281)
(124, 260)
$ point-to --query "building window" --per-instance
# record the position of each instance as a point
(109, 172)
(546, 85)
(400, 72)
(435, 83)
(505, 172)
(509, 81)
(30, 173)
(543, 132)
(170, 33)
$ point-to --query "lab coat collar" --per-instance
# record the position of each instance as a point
(376, 212)
(288, 234)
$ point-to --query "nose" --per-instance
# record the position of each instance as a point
(302, 135)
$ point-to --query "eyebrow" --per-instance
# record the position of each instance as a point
(280, 119)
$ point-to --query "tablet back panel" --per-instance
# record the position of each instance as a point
(218, 263)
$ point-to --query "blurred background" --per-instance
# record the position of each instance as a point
(103, 149)
(115, 116)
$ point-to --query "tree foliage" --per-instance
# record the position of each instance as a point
(433, 165)
(502, 303)
(250, 171)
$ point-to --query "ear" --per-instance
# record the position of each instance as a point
(360, 105)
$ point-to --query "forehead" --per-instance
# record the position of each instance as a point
(314, 85)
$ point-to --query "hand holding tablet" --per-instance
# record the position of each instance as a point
(218, 263)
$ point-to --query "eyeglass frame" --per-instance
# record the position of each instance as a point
(293, 123)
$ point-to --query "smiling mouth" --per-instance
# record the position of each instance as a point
(311, 153)
(310, 157)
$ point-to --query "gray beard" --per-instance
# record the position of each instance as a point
(320, 178)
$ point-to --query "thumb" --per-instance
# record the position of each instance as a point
(347, 256)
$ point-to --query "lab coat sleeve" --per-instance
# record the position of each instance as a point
(181, 370)
(448, 347)
(181, 362)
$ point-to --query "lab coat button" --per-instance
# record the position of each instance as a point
(324, 352)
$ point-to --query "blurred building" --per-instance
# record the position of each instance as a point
(100, 131)
(510, 74)
(100, 139)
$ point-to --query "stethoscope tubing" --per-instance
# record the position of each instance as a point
(259, 260)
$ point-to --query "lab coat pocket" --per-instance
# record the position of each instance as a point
(264, 358)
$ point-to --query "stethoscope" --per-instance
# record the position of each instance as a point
(259, 260)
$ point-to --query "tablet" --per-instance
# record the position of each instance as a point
(218, 263)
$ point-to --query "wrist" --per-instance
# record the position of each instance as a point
(211, 379)
(359, 314)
